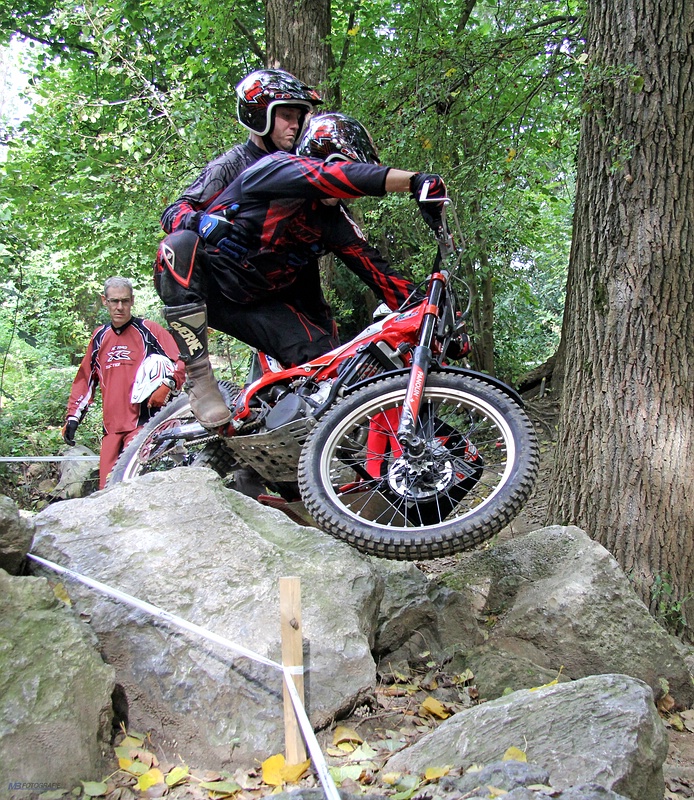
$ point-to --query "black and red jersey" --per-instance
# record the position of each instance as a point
(280, 209)
(217, 175)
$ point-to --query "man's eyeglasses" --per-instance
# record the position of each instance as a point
(116, 301)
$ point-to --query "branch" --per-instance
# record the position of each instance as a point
(54, 45)
(462, 22)
(345, 45)
(255, 47)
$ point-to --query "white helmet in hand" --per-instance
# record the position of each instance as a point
(152, 373)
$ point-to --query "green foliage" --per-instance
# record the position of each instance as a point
(130, 100)
(668, 609)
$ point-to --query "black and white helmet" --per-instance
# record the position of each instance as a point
(336, 136)
(265, 89)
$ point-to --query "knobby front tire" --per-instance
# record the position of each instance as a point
(144, 454)
(477, 470)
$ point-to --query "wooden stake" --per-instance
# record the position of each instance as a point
(292, 656)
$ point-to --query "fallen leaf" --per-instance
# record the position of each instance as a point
(665, 704)
(344, 734)
(514, 754)
(432, 706)
(349, 771)
(495, 792)
(394, 691)
(464, 677)
(434, 773)
(345, 747)
(176, 776)
(292, 772)
(676, 722)
(136, 768)
(407, 785)
(363, 753)
(121, 793)
(220, 788)
(132, 740)
(391, 778)
(149, 778)
(61, 593)
(145, 757)
(94, 788)
(272, 770)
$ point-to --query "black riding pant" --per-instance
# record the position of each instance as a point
(293, 325)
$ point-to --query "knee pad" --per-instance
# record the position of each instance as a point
(176, 255)
(178, 272)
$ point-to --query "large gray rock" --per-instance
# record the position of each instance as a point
(55, 691)
(16, 534)
(557, 599)
(603, 729)
(420, 619)
(79, 474)
(518, 781)
(181, 541)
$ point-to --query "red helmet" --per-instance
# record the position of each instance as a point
(333, 135)
(258, 94)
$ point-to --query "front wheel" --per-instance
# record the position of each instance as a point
(473, 475)
(153, 451)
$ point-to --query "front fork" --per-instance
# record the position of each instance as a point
(411, 443)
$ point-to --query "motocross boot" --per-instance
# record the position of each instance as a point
(188, 325)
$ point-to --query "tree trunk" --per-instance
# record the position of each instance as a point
(297, 33)
(624, 470)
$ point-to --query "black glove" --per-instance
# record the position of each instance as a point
(69, 430)
(220, 230)
(436, 189)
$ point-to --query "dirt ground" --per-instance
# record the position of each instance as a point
(679, 766)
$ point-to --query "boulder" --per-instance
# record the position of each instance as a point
(16, 534)
(55, 691)
(602, 730)
(558, 600)
(420, 620)
(215, 559)
(79, 474)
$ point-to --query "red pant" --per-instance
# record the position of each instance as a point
(112, 445)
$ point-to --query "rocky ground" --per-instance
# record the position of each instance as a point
(399, 712)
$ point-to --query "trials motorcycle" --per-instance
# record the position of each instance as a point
(388, 446)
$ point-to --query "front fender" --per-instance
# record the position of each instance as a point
(469, 373)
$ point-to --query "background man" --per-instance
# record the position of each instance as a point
(115, 354)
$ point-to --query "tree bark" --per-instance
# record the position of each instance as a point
(297, 34)
(624, 469)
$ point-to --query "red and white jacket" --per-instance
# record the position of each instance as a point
(111, 362)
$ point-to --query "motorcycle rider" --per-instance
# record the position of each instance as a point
(272, 105)
(286, 208)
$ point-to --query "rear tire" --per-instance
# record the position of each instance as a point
(478, 468)
(142, 455)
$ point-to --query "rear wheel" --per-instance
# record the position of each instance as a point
(477, 468)
(153, 451)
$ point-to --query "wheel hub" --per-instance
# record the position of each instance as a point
(423, 477)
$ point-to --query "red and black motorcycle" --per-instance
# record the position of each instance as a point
(388, 446)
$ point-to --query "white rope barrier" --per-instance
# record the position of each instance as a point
(49, 458)
(319, 763)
